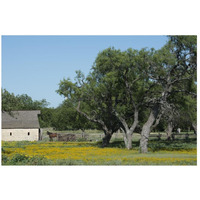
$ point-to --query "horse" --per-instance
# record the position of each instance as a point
(51, 135)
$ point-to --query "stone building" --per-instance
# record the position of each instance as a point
(21, 125)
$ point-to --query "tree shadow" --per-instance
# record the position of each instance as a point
(154, 144)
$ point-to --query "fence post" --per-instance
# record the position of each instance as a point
(186, 136)
(159, 136)
(173, 136)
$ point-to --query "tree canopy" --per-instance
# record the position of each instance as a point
(135, 88)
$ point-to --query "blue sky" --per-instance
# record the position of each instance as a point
(34, 65)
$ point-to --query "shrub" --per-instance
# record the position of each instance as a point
(21, 159)
(4, 159)
(67, 162)
(38, 160)
(2, 150)
(171, 145)
(17, 158)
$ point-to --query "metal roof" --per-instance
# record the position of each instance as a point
(20, 119)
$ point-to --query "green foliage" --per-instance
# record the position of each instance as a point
(94, 100)
(38, 160)
(4, 158)
(65, 117)
(11, 102)
(20, 159)
(121, 81)
(46, 118)
(172, 145)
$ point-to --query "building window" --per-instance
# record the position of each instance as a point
(28, 133)
(10, 133)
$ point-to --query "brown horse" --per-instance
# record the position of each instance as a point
(52, 135)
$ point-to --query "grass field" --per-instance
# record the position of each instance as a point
(179, 152)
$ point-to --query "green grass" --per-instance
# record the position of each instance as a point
(179, 152)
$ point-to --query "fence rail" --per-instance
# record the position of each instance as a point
(174, 136)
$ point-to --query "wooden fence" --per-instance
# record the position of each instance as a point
(174, 136)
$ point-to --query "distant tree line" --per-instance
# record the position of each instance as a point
(64, 117)
(10, 102)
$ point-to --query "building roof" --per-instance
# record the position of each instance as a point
(20, 119)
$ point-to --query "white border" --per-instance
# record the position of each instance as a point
(100, 18)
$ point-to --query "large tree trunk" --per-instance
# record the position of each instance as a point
(108, 133)
(128, 140)
(194, 125)
(106, 139)
(169, 130)
(146, 129)
(128, 132)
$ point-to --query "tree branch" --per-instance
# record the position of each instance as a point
(89, 118)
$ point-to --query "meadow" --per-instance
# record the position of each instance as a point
(178, 152)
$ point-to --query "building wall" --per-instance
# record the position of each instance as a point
(20, 134)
